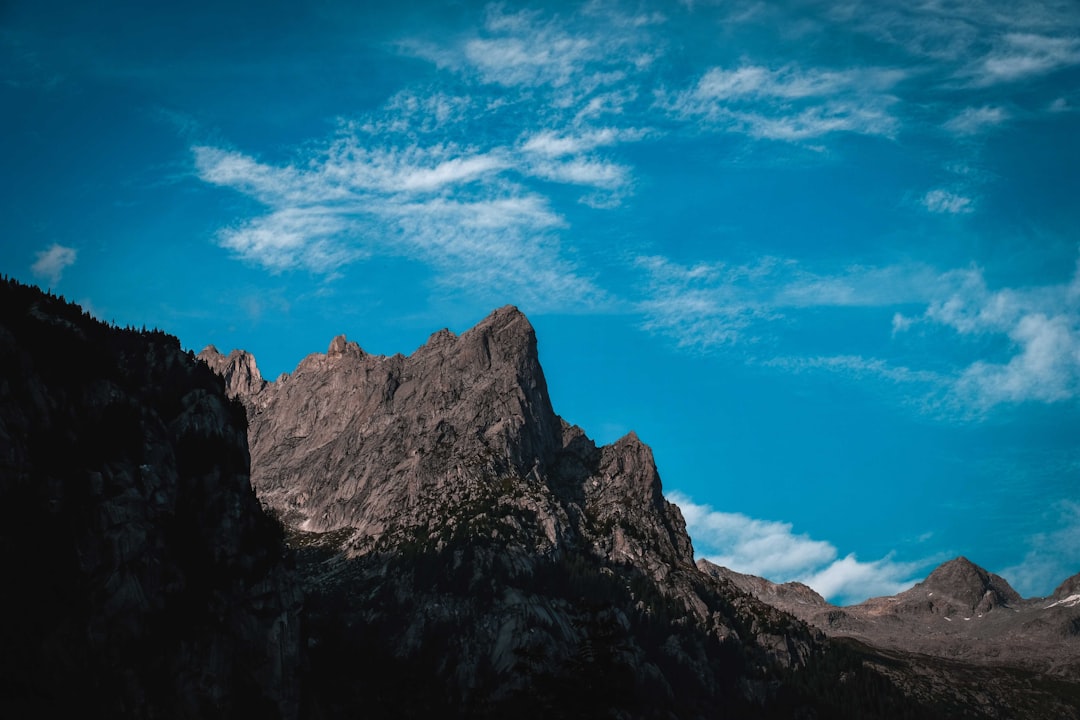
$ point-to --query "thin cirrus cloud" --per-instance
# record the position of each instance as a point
(710, 307)
(477, 209)
(527, 50)
(1020, 56)
(975, 120)
(790, 104)
(950, 203)
(713, 304)
(990, 30)
(773, 550)
(451, 207)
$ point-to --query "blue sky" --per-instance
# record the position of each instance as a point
(821, 256)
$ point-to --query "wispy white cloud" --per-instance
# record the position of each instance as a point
(858, 367)
(943, 201)
(791, 83)
(789, 103)
(957, 31)
(440, 204)
(550, 144)
(709, 306)
(972, 120)
(52, 262)
(1023, 55)
(772, 550)
(971, 47)
(294, 237)
(523, 49)
(575, 60)
(1042, 325)
(702, 306)
(426, 111)
(815, 122)
(426, 178)
(1059, 105)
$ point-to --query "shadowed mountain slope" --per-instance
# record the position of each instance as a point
(143, 579)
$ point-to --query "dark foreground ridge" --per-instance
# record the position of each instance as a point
(457, 549)
(144, 580)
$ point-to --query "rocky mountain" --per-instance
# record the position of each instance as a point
(457, 550)
(452, 528)
(443, 487)
(143, 579)
(959, 612)
(1067, 593)
(786, 596)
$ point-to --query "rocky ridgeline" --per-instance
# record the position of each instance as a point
(143, 578)
(959, 612)
(443, 487)
(523, 570)
(451, 527)
(461, 550)
(387, 447)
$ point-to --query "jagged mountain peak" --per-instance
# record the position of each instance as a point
(507, 316)
(399, 428)
(393, 435)
(238, 368)
(340, 345)
(505, 337)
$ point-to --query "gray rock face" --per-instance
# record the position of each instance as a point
(1068, 592)
(383, 446)
(781, 595)
(454, 457)
(960, 586)
(143, 579)
(242, 377)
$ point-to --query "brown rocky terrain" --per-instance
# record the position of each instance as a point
(143, 579)
(960, 612)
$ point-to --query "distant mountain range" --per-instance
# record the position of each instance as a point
(433, 541)
(960, 612)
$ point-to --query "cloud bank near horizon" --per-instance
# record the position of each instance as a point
(772, 550)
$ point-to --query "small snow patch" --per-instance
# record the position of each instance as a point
(1071, 601)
